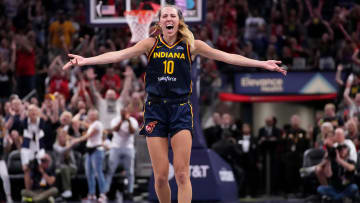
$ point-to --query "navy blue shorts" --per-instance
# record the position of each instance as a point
(166, 117)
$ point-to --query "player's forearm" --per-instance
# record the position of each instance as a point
(106, 58)
(244, 61)
(114, 56)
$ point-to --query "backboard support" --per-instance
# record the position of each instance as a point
(111, 12)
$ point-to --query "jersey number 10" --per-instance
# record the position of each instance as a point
(168, 67)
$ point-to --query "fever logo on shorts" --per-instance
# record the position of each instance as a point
(150, 126)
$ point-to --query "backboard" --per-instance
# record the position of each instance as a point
(111, 12)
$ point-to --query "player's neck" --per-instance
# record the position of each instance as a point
(170, 40)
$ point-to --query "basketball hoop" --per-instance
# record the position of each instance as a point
(139, 22)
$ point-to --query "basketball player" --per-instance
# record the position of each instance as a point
(168, 110)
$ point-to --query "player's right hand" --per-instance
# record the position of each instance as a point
(75, 60)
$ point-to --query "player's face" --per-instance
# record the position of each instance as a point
(169, 21)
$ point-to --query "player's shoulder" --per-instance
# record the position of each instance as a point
(198, 45)
(149, 40)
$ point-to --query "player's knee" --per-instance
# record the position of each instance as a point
(182, 177)
(161, 181)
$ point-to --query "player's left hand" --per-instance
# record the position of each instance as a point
(272, 65)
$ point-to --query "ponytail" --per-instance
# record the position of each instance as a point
(185, 33)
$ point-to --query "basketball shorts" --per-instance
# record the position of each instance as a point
(166, 117)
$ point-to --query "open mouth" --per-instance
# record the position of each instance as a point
(169, 27)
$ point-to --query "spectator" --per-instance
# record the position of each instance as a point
(94, 156)
(268, 142)
(287, 57)
(6, 75)
(33, 145)
(228, 149)
(25, 63)
(81, 98)
(330, 116)
(61, 33)
(249, 52)
(271, 53)
(339, 138)
(65, 160)
(340, 171)
(111, 80)
(292, 20)
(326, 52)
(322, 169)
(5, 144)
(325, 129)
(297, 142)
(37, 17)
(249, 161)
(122, 149)
(352, 84)
(42, 181)
(327, 140)
(208, 78)
(50, 115)
(254, 22)
(59, 81)
(213, 132)
(353, 104)
(352, 132)
(269, 131)
(110, 106)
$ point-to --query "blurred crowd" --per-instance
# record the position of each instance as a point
(48, 113)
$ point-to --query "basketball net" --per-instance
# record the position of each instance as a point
(139, 22)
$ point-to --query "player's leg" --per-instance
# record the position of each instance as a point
(181, 144)
(158, 150)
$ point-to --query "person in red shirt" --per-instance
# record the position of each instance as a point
(60, 83)
(111, 80)
(59, 80)
(25, 63)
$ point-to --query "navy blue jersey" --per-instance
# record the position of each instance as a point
(168, 70)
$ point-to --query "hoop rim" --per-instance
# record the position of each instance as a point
(138, 12)
(143, 16)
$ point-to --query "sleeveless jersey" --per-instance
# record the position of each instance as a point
(168, 70)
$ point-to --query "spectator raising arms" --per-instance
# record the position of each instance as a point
(95, 155)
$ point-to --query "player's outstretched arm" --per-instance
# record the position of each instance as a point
(205, 50)
(111, 57)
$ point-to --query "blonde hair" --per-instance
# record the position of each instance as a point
(330, 106)
(67, 114)
(184, 32)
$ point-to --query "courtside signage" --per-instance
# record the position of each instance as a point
(301, 83)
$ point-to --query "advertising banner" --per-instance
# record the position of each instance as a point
(294, 83)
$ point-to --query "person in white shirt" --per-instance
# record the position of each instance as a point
(353, 105)
(122, 149)
(340, 139)
(95, 156)
(110, 106)
(33, 144)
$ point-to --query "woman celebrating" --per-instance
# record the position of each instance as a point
(168, 112)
